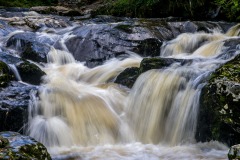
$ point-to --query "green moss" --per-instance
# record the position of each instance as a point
(5, 75)
(124, 28)
(219, 107)
(30, 73)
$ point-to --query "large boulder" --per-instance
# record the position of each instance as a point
(219, 105)
(29, 46)
(30, 73)
(104, 37)
(14, 102)
(14, 68)
(16, 146)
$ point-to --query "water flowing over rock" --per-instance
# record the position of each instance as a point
(16, 146)
(63, 92)
(14, 101)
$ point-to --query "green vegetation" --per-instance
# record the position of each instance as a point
(27, 3)
(231, 8)
(154, 8)
(194, 9)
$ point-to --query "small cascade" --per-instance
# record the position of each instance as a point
(15, 72)
(81, 106)
(77, 105)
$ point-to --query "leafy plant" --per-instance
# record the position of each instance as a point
(231, 8)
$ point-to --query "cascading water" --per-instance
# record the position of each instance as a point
(81, 113)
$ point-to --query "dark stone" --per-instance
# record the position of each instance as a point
(149, 47)
(30, 73)
(219, 105)
(22, 147)
(159, 63)
(5, 74)
(14, 101)
(30, 47)
(128, 77)
(3, 142)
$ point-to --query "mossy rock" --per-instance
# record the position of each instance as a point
(30, 73)
(130, 75)
(159, 63)
(234, 152)
(3, 142)
(150, 47)
(125, 28)
(22, 147)
(5, 74)
(219, 105)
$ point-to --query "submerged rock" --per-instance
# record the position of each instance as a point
(219, 108)
(234, 152)
(16, 146)
(14, 102)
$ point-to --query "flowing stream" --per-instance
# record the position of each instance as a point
(82, 114)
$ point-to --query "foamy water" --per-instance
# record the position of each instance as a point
(82, 114)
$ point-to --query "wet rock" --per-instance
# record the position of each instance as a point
(234, 152)
(22, 147)
(128, 77)
(14, 101)
(29, 46)
(149, 47)
(3, 142)
(5, 74)
(5, 29)
(159, 63)
(219, 108)
(30, 73)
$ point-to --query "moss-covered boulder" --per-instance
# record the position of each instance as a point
(17, 146)
(219, 113)
(234, 152)
(30, 73)
(5, 74)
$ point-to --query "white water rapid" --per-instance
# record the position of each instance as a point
(82, 114)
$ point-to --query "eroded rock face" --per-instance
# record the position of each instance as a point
(16, 146)
(219, 108)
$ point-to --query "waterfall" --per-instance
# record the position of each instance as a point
(15, 72)
(81, 106)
